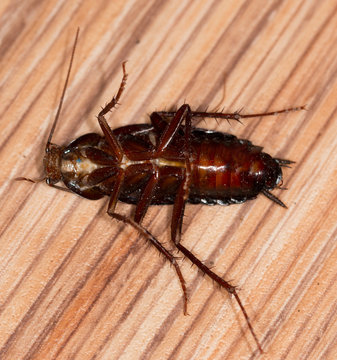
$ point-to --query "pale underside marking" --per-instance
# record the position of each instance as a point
(160, 162)
(84, 166)
(80, 167)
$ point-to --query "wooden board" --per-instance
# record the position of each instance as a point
(75, 284)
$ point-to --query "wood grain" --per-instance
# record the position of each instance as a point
(76, 285)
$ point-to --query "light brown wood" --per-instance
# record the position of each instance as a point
(75, 284)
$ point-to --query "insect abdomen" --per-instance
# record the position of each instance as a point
(228, 170)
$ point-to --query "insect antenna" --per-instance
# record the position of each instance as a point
(47, 149)
(63, 93)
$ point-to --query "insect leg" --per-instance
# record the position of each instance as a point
(178, 211)
(146, 197)
(148, 236)
(232, 116)
(115, 192)
(110, 137)
(172, 128)
(114, 101)
(184, 188)
(168, 130)
(176, 227)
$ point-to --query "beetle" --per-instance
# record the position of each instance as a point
(166, 162)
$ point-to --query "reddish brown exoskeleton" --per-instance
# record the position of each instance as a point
(165, 162)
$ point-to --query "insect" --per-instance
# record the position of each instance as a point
(166, 162)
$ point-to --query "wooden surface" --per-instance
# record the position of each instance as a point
(77, 285)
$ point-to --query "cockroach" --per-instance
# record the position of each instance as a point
(166, 162)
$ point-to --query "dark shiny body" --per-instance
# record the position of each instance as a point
(224, 169)
(166, 162)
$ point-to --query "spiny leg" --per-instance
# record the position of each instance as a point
(146, 196)
(114, 101)
(110, 137)
(176, 226)
(232, 116)
(148, 236)
(166, 138)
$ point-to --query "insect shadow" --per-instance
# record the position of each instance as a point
(166, 162)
